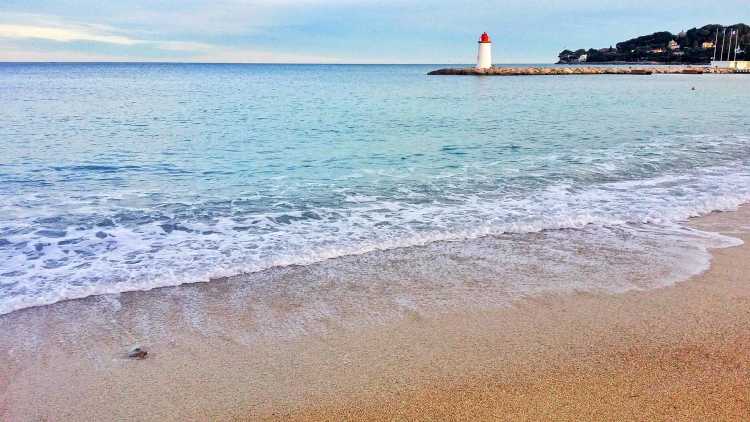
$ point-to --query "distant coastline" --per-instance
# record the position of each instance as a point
(697, 46)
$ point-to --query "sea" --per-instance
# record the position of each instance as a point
(443, 190)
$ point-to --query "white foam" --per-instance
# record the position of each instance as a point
(142, 257)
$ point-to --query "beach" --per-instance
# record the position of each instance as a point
(368, 242)
(672, 353)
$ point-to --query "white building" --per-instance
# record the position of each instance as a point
(733, 64)
(484, 56)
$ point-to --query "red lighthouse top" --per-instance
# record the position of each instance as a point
(484, 38)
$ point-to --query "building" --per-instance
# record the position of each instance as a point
(673, 45)
(706, 45)
(583, 58)
(656, 50)
(484, 55)
(743, 65)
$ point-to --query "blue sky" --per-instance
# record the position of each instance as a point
(336, 31)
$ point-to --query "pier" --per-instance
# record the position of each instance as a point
(586, 70)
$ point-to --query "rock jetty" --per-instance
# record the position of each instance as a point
(588, 70)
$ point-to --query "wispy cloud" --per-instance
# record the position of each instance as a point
(52, 30)
(62, 34)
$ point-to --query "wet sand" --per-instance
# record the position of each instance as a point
(676, 353)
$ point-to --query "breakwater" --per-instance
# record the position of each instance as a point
(586, 70)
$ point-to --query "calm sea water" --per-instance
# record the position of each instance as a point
(116, 177)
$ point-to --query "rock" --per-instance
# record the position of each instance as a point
(137, 352)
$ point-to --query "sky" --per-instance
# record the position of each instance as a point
(337, 31)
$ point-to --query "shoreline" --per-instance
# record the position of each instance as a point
(521, 360)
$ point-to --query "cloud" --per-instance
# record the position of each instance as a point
(51, 29)
(208, 54)
(62, 34)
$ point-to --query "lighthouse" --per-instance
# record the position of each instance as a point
(484, 57)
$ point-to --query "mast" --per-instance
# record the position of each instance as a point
(729, 50)
(736, 43)
(723, 44)
(716, 43)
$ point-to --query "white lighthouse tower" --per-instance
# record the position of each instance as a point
(484, 57)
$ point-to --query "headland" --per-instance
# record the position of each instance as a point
(694, 46)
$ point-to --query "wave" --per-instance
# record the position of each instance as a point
(139, 250)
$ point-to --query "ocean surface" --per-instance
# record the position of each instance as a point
(120, 177)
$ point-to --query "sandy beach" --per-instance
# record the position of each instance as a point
(675, 353)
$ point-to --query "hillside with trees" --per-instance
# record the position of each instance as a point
(695, 46)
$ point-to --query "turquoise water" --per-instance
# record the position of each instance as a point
(117, 177)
